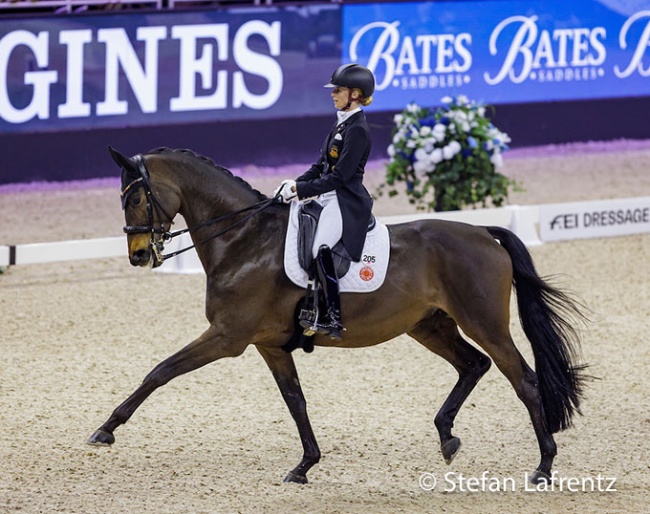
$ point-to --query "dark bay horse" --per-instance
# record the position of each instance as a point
(442, 275)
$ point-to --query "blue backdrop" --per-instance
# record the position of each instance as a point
(501, 52)
(108, 71)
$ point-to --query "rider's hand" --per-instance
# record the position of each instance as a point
(287, 191)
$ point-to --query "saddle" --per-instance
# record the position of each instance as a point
(308, 217)
(356, 277)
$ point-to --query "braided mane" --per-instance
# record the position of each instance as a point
(209, 162)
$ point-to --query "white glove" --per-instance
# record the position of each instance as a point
(286, 191)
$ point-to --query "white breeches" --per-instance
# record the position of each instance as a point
(330, 225)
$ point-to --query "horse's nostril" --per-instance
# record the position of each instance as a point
(140, 257)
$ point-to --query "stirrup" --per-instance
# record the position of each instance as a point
(309, 321)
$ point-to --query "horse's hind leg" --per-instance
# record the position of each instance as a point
(498, 344)
(439, 333)
(524, 381)
(207, 348)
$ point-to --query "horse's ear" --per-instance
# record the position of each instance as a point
(122, 160)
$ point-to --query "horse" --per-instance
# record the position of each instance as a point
(442, 276)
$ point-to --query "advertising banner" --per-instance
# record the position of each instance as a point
(125, 70)
(70, 72)
(603, 218)
(501, 52)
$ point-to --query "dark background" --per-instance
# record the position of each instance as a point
(82, 153)
(73, 155)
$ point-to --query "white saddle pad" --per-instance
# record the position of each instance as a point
(364, 276)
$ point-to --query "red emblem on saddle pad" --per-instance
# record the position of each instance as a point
(366, 274)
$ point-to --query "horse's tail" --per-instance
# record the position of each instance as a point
(545, 313)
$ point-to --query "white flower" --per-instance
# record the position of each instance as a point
(439, 131)
(413, 108)
(411, 144)
(462, 100)
(455, 147)
(460, 115)
(481, 111)
(447, 99)
(436, 156)
(398, 118)
(497, 159)
(391, 151)
(398, 137)
(421, 155)
(421, 167)
(425, 131)
(465, 126)
(448, 152)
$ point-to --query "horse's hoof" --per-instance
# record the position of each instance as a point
(450, 449)
(539, 477)
(295, 479)
(101, 438)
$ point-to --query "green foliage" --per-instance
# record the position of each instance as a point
(448, 157)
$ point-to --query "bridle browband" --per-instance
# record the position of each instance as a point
(154, 204)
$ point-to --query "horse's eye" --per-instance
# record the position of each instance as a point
(135, 200)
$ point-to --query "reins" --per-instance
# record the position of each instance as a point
(258, 207)
(166, 236)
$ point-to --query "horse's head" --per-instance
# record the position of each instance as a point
(149, 207)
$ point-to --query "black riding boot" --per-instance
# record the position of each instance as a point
(329, 322)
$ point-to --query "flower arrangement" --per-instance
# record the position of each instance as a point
(448, 157)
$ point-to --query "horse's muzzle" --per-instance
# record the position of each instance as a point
(143, 252)
(141, 257)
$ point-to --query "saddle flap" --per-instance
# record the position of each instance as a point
(364, 276)
(308, 216)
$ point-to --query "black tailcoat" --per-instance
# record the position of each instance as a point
(341, 167)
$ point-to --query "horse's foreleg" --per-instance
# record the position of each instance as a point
(200, 352)
(284, 371)
(439, 333)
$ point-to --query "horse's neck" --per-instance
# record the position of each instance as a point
(212, 196)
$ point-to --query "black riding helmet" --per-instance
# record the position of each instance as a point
(354, 76)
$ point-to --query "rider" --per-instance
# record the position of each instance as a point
(336, 182)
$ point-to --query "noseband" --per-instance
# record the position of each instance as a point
(154, 204)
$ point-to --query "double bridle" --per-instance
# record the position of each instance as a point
(154, 205)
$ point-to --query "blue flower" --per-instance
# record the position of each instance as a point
(429, 121)
(472, 142)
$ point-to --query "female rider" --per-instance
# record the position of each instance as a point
(336, 181)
